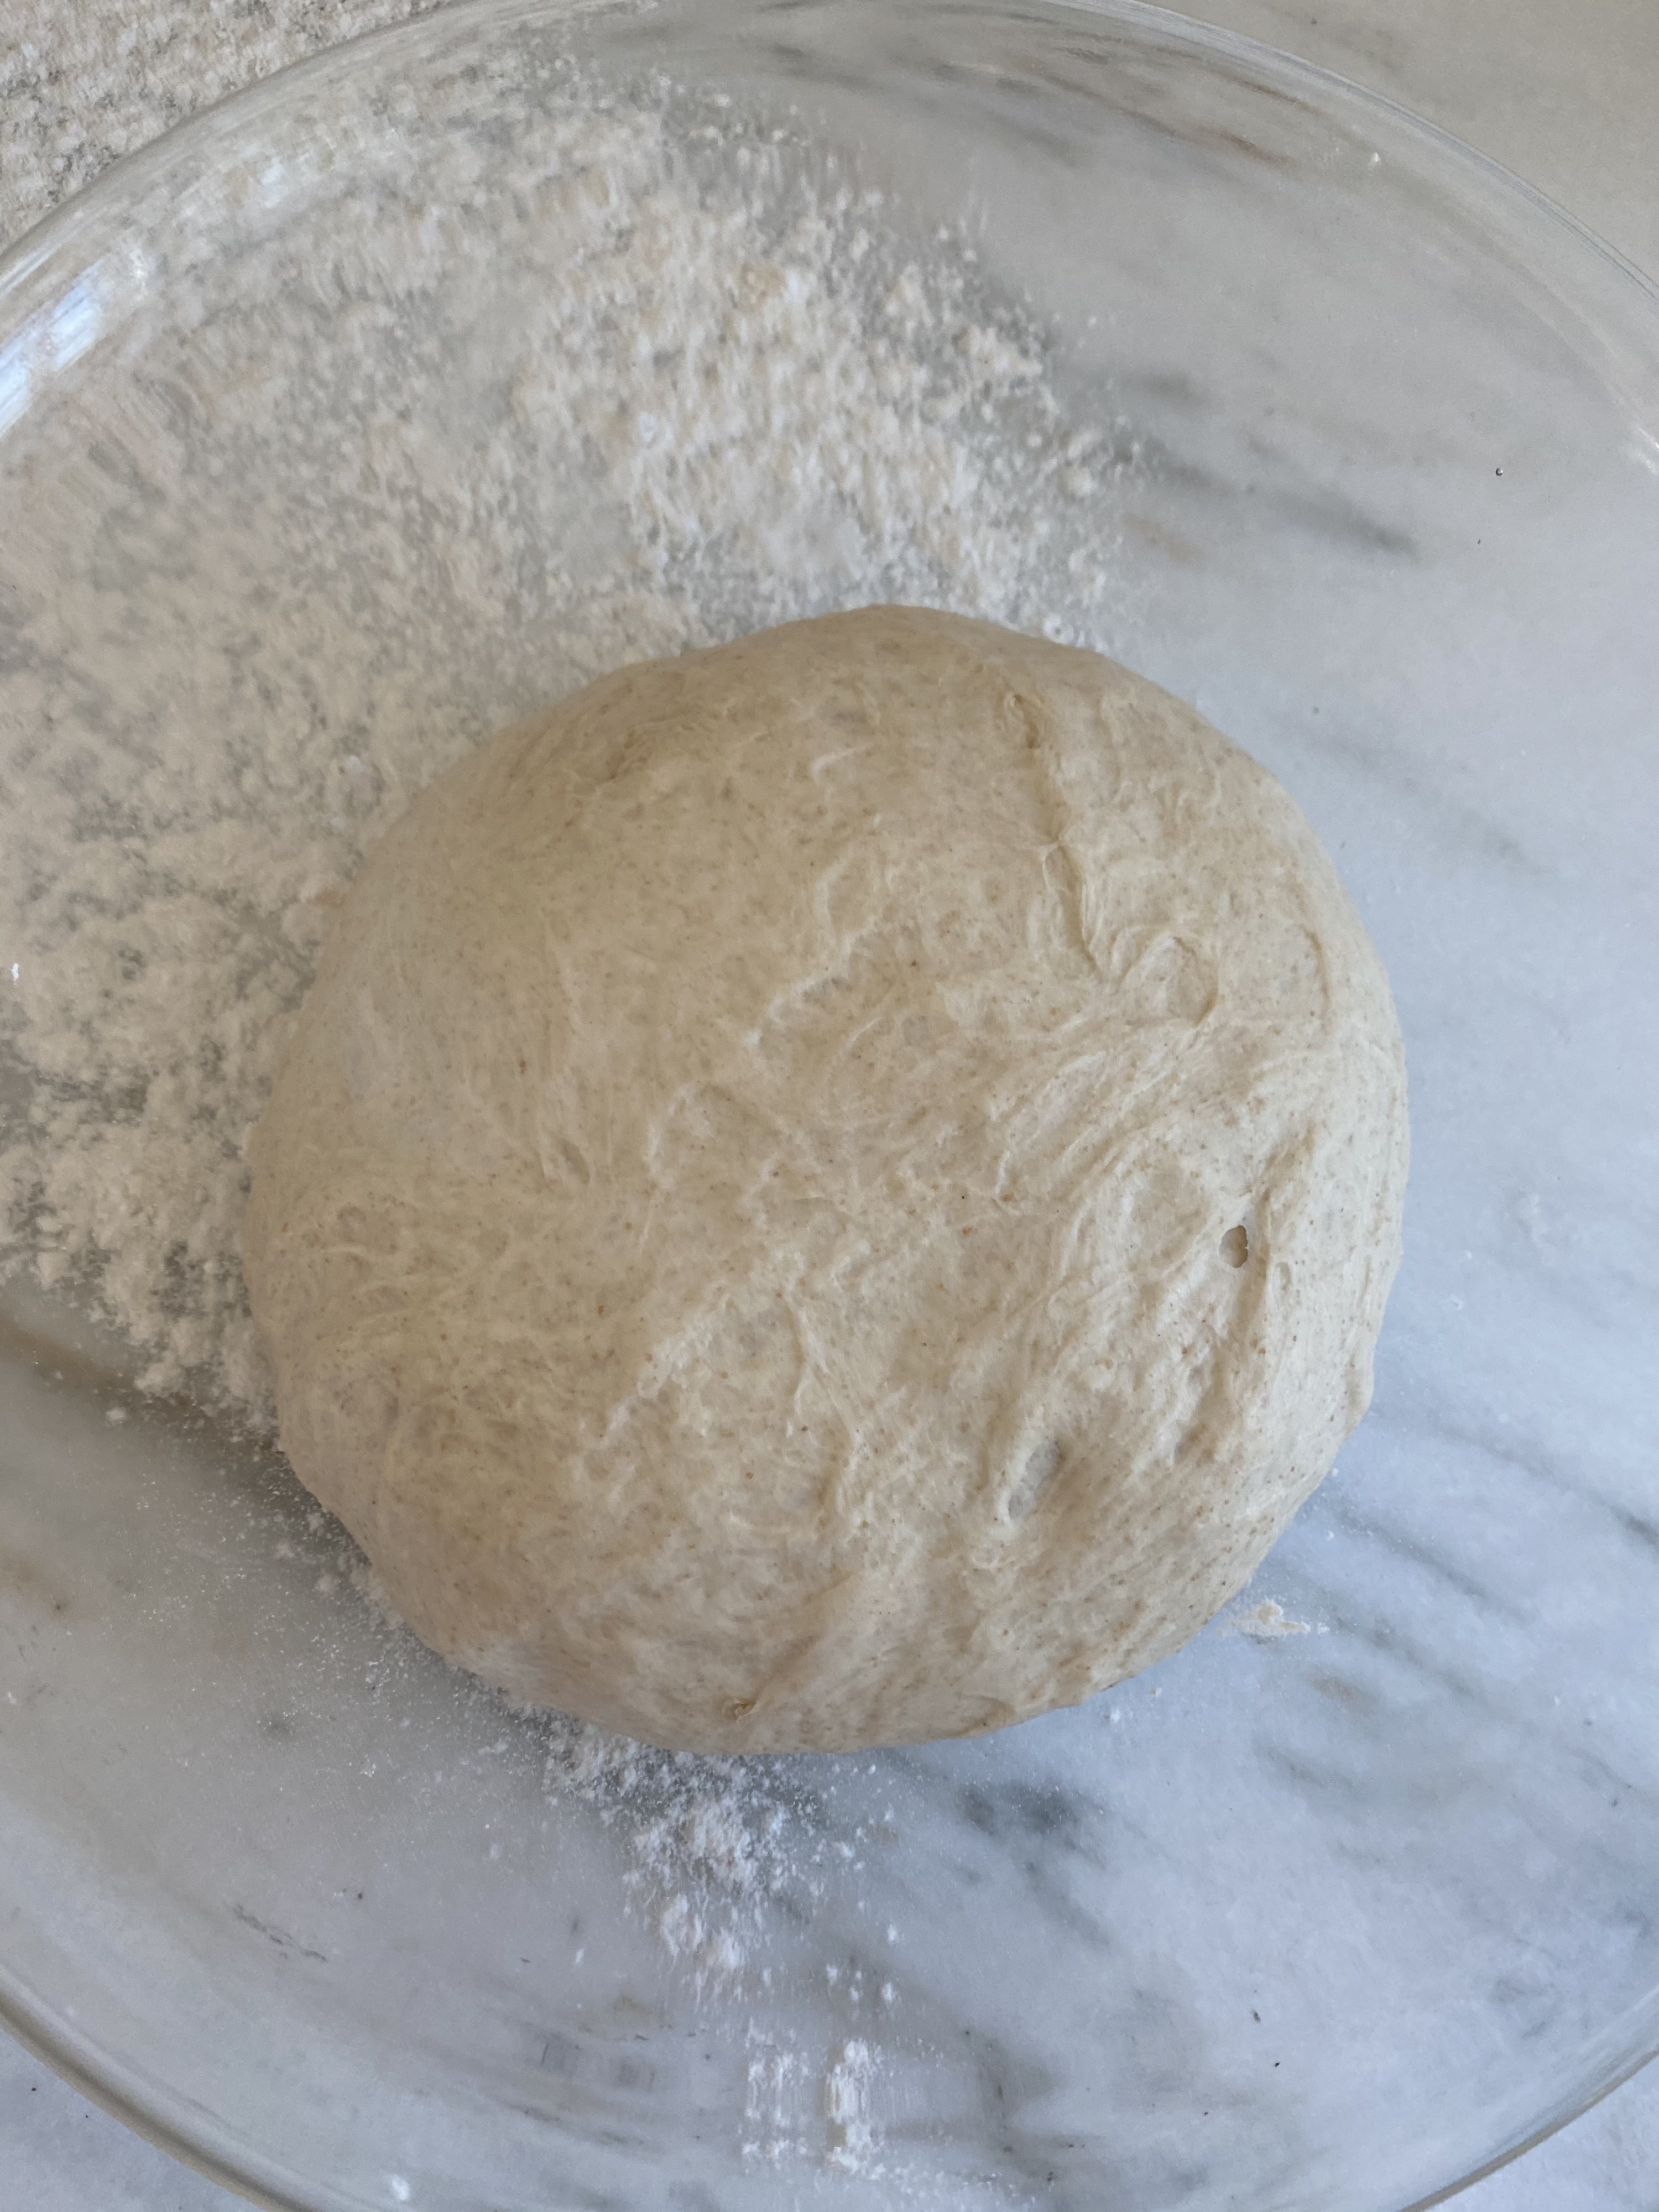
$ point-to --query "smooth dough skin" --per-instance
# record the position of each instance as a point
(832, 1191)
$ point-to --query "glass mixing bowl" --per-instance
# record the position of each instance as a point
(326, 448)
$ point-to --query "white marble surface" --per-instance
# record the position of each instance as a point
(1560, 95)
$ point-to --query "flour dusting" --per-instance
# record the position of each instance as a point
(371, 492)
(1265, 1623)
(709, 1843)
(847, 2106)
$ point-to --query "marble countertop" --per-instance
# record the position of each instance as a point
(1562, 95)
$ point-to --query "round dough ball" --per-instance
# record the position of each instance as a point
(831, 1191)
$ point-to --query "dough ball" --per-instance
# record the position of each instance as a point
(831, 1191)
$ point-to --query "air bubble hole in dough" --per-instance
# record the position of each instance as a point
(835, 1190)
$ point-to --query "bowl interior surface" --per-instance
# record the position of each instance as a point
(433, 378)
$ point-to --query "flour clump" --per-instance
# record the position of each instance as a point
(835, 1189)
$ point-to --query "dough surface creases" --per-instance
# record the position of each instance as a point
(837, 1189)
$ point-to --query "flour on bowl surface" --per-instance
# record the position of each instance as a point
(371, 493)
(709, 1843)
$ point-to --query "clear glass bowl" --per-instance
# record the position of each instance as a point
(1291, 403)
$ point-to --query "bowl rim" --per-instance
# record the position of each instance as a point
(32, 267)
(30, 251)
